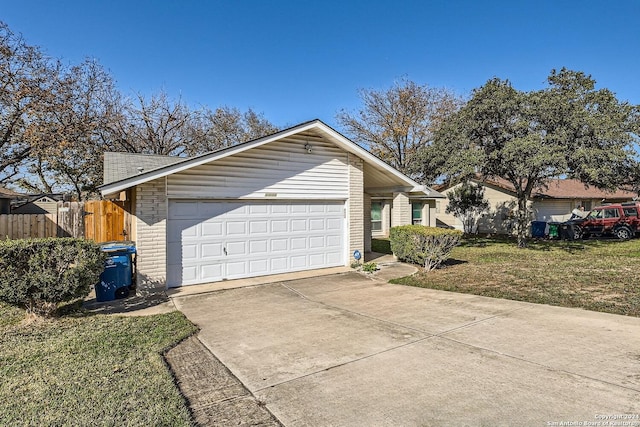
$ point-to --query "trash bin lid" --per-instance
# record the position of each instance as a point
(128, 247)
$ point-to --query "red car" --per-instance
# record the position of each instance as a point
(621, 220)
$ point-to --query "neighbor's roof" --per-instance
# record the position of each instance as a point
(119, 166)
(128, 176)
(5, 193)
(557, 189)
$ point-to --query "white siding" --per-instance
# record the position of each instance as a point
(280, 170)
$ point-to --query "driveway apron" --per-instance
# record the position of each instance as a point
(348, 350)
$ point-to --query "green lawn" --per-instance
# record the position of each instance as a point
(599, 275)
(90, 370)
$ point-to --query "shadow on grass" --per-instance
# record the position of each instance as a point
(452, 261)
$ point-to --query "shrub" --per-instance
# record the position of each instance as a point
(370, 267)
(38, 274)
(427, 246)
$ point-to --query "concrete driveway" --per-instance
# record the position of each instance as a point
(346, 350)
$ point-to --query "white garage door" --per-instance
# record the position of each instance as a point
(211, 240)
(552, 210)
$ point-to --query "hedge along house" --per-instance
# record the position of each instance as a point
(300, 199)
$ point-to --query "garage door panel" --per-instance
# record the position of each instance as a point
(279, 209)
(235, 228)
(211, 229)
(238, 248)
(316, 242)
(189, 273)
(316, 224)
(334, 241)
(299, 261)
(258, 227)
(334, 257)
(258, 209)
(299, 209)
(334, 224)
(209, 272)
(298, 243)
(298, 225)
(236, 269)
(259, 267)
(258, 247)
(280, 226)
(279, 245)
(259, 238)
(211, 250)
(316, 260)
(183, 209)
(207, 209)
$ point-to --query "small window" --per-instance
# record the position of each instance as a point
(376, 216)
(416, 213)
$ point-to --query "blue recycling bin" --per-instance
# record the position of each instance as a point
(538, 228)
(118, 277)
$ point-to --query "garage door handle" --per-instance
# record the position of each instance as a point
(225, 250)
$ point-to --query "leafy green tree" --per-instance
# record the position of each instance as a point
(466, 203)
(567, 129)
(398, 123)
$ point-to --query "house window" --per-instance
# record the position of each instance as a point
(586, 204)
(376, 216)
(416, 213)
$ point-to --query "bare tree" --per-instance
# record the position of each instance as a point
(226, 126)
(26, 80)
(72, 129)
(397, 123)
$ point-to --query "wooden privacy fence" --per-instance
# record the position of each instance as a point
(24, 226)
(98, 220)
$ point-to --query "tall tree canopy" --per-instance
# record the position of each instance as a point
(398, 123)
(567, 129)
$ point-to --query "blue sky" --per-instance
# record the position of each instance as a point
(299, 60)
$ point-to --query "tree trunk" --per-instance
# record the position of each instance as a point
(523, 222)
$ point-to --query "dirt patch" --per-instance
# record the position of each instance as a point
(215, 396)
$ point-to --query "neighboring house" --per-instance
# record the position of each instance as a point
(38, 204)
(301, 199)
(552, 203)
(7, 197)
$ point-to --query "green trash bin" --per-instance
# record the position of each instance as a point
(553, 230)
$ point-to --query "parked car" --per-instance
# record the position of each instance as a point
(621, 220)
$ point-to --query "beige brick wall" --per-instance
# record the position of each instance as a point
(151, 231)
(401, 210)
(356, 205)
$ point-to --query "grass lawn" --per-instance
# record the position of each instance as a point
(90, 370)
(599, 275)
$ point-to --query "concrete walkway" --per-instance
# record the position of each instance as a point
(353, 350)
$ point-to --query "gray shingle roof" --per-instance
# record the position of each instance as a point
(119, 166)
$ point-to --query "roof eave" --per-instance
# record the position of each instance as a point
(337, 138)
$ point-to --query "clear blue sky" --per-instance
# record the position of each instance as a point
(296, 60)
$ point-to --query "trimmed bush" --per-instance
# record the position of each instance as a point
(426, 246)
(38, 274)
